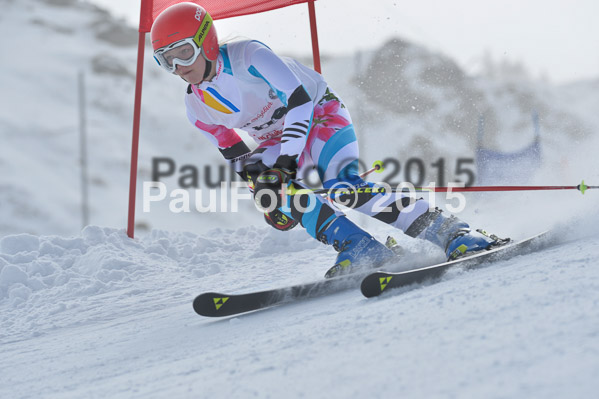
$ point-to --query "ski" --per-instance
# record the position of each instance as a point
(213, 304)
(376, 283)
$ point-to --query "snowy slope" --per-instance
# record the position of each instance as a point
(99, 315)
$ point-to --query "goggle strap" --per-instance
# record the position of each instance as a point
(200, 35)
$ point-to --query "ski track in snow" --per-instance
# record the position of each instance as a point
(103, 316)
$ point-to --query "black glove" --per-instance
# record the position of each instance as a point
(287, 163)
(279, 220)
(268, 189)
(252, 171)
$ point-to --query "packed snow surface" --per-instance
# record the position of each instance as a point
(100, 315)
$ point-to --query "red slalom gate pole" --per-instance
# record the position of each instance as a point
(135, 139)
(314, 32)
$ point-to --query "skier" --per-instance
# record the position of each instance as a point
(298, 121)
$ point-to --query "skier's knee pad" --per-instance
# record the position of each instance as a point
(412, 211)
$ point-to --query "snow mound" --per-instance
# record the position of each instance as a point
(42, 278)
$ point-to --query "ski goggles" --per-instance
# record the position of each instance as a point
(184, 52)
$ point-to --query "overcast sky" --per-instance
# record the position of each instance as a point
(555, 38)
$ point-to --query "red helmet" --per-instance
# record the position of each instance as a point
(182, 21)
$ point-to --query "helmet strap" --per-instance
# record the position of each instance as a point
(208, 69)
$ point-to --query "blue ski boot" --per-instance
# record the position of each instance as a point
(357, 249)
(453, 235)
(468, 242)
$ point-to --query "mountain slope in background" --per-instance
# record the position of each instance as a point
(406, 102)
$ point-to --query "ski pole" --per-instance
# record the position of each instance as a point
(379, 190)
(377, 167)
(581, 187)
